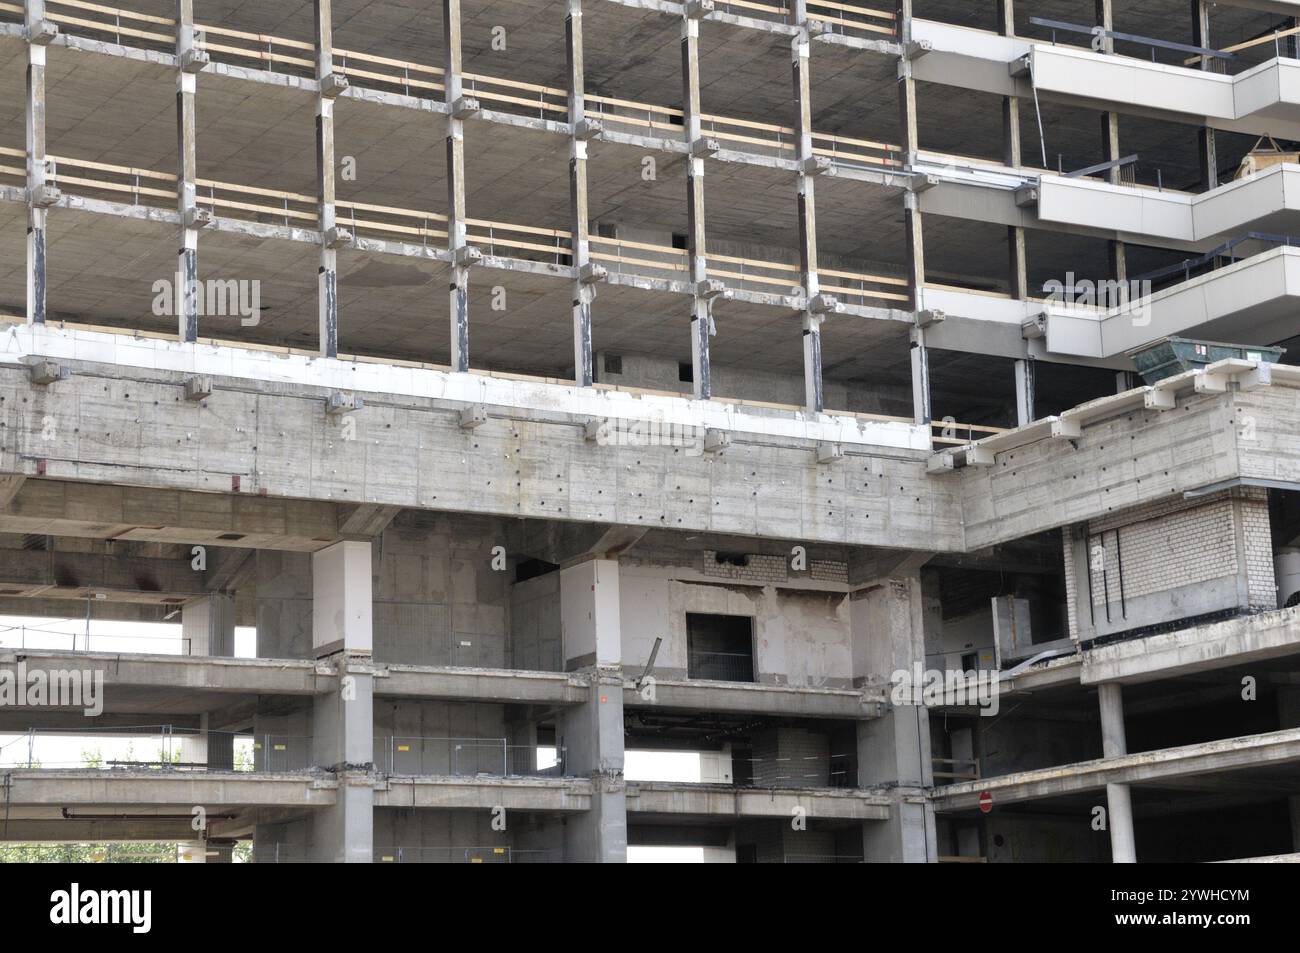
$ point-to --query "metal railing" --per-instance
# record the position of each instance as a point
(22, 637)
(1151, 42)
(720, 666)
(461, 757)
(466, 855)
(156, 748)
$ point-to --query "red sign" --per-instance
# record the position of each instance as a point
(986, 802)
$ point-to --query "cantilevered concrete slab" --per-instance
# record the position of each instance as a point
(1268, 201)
(1240, 641)
(1262, 100)
(195, 673)
(1252, 301)
(1276, 753)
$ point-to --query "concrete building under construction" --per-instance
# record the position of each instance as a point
(590, 430)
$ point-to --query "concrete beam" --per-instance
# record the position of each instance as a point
(131, 790)
(644, 797)
(497, 686)
(565, 795)
(227, 675)
(1208, 758)
(755, 699)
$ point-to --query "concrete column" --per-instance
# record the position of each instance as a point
(456, 241)
(187, 259)
(327, 283)
(1110, 139)
(341, 599)
(37, 194)
(1017, 266)
(696, 244)
(583, 287)
(1205, 136)
(815, 306)
(913, 232)
(887, 625)
(208, 625)
(1025, 371)
(1123, 849)
(343, 719)
(592, 733)
(1288, 716)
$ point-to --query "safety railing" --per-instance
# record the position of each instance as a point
(155, 748)
(466, 855)
(402, 756)
(852, 19)
(412, 79)
(720, 666)
(956, 769)
(623, 256)
(281, 54)
(123, 27)
(275, 54)
(812, 771)
(24, 637)
(520, 241)
(396, 224)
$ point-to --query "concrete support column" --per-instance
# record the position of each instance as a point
(913, 232)
(327, 282)
(34, 16)
(1025, 371)
(1017, 266)
(456, 241)
(341, 599)
(584, 290)
(1288, 716)
(187, 258)
(1110, 139)
(696, 244)
(343, 718)
(887, 624)
(208, 625)
(592, 733)
(1123, 848)
(1205, 136)
(815, 305)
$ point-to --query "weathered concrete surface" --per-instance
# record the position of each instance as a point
(483, 685)
(244, 676)
(646, 797)
(275, 440)
(514, 794)
(181, 788)
(1277, 748)
(1233, 642)
(756, 699)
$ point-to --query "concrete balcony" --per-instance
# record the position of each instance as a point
(1264, 99)
(756, 699)
(1252, 301)
(1266, 202)
(1273, 757)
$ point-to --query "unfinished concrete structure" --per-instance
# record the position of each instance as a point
(752, 397)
